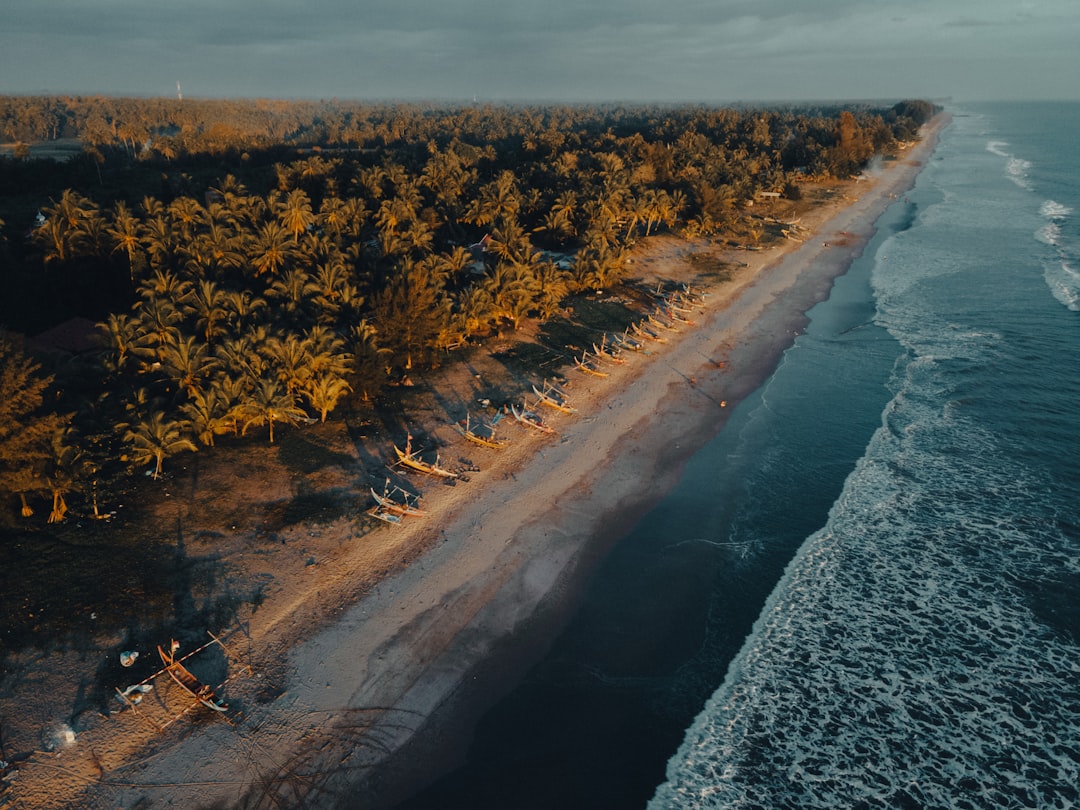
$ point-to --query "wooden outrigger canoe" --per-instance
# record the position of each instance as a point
(554, 398)
(587, 365)
(471, 434)
(406, 507)
(657, 318)
(648, 334)
(531, 419)
(624, 341)
(408, 459)
(385, 515)
(204, 693)
(611, 355)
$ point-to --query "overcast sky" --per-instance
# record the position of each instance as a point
(545, 50)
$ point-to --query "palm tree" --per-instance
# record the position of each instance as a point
(514, 290)
(272, 248)
(324, 390)
(269, 403)
(124, 234)
(291, 360)
(120, 334)
(186, 213)
(554, 287)
(64, 469)
(65, 232)
(295, 214)
(291, 291)
(207, 303)
(208, 411)
(156, 438)
(187, 363)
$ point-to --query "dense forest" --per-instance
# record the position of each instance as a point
(249, 264)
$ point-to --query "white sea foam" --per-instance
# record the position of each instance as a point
(998, 148)
(1064, 283)
(897, 664)
(1017, 170)
(1054, 210)
(1049, 234)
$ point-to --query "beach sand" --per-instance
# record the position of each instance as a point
(361, 694)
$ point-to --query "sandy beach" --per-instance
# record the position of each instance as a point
(360, 694)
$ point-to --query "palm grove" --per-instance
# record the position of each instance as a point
(296, 255)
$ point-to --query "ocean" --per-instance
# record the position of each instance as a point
(923, 647)
(865, 591)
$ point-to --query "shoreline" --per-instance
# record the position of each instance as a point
(389, 679)
(770, 309)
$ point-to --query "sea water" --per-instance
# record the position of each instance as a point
(923, 647)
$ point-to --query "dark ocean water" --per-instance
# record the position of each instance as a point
(923, 648)
(866, 590)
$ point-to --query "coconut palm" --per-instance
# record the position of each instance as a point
(124, 235)
(295, 214)
(290, 362)
(156, 438)
(267, 404)
(188, 362)
(324, 390)
(207, 304)
(159, 323)
(272, 249)
(290, 292)
(242, 308)
(186, 214)
(64, 471)
(120, 336)
(208, 411)
(514, 290)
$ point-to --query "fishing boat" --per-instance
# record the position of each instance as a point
(588, 365)
(201, 694)
(481, 434)
(677, 316)
(602, 352)
(385, 515)
(408, 458)
(531, 419)
(554, 397)
(659, 319)
(405, 505)
(204, 693)
(647, 333)
(624, 341)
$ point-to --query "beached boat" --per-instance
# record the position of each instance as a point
(658, 319)
(554, 397)
(204, 693)
(610, 355)
(404, 505)
(386, 516)
(531, 419)
(481, 434)
(624, 341)
(647, 333)
(588, 365)
(677, 316)
(407, 458)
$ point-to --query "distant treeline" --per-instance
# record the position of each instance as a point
(257, 263)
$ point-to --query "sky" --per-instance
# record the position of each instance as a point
(709, 51)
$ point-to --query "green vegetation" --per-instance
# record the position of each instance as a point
(251, 265)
